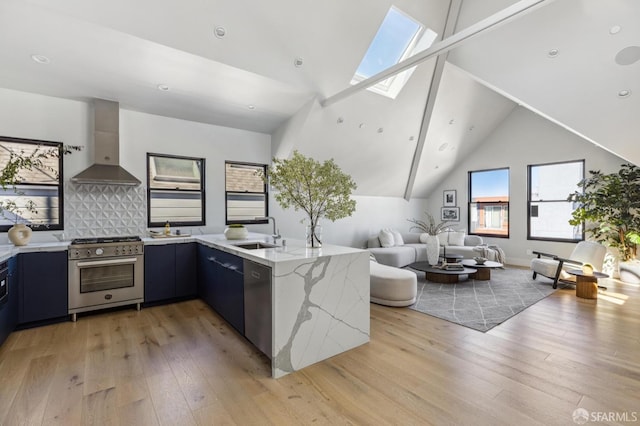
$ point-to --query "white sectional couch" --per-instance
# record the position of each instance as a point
(457, 242)
(412, 250)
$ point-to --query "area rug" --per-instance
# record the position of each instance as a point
(481, 305)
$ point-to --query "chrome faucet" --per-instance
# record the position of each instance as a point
(276, 232)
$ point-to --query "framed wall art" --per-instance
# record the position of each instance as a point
(449, 198)
(450, 214)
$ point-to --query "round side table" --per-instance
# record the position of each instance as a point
(586, 285)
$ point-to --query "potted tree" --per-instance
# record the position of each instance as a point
(14, 206)
(318, 189)
(609, 206)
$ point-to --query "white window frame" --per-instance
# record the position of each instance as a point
(534, 202)
(391, 87)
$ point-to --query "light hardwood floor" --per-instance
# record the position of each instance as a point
(181, 364)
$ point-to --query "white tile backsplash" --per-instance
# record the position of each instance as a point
(104, 210)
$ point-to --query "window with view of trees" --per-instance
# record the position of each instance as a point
(489, 202)
(175, 190)
(245, 193)
(549, 211)
(37, 200)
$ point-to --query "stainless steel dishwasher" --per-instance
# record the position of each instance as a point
(257, 305)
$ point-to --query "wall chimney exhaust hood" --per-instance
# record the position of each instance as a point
(106, 169)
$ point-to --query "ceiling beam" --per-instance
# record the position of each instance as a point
(434, 86)
(505, 15)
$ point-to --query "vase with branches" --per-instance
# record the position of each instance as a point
(431, 229)
(318, 189)
(429, 226)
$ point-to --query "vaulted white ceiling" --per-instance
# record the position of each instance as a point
(122, 50)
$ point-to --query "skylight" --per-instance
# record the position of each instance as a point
(398, 38)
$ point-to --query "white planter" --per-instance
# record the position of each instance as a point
(19, 234)
(236, 233)
(630, 271)
(433, 249)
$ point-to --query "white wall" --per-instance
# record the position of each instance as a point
(30, 116)
(26, 115)
(141, 133)
(523, 138)
(371, 215)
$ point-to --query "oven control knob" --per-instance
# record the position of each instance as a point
(77, 253)
(88, 253)
(99, 251)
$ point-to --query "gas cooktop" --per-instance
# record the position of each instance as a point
(105, 240)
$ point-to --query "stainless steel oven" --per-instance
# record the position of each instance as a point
(105, 272)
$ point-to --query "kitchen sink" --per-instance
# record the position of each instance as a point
(255, 246)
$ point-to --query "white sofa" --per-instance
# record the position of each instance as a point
(450, 243)
(414, 251)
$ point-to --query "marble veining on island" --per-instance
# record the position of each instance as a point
(320, 300)
(321, 309)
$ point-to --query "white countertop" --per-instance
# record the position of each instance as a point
(294, 250)
(8, 250)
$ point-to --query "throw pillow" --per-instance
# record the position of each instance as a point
(443, 237)
(397, 238)
(456, 238)
(386, 238)
(423, 237)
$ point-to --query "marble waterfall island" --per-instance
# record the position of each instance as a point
(320, 300)
(321, 309)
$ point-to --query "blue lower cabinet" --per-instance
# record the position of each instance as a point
(221, 284)
(159, 273)
(42, 286)
(9, 307)
(206, 275)
(186, 270)
(170, 271)
(231, 290)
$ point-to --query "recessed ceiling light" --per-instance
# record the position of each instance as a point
(443, 146)
(298, 62)
(411, 138)
(163, 87)
(340, 120)
(380, 130)
(251, 107)
(615, 29)
(220, 32)
(624, 93)
(361, 126)
(553, 53)
(41, 59)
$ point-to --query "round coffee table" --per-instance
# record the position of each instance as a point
(483, 271)
(438, 275)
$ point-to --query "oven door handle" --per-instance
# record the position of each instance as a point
(108, 262)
